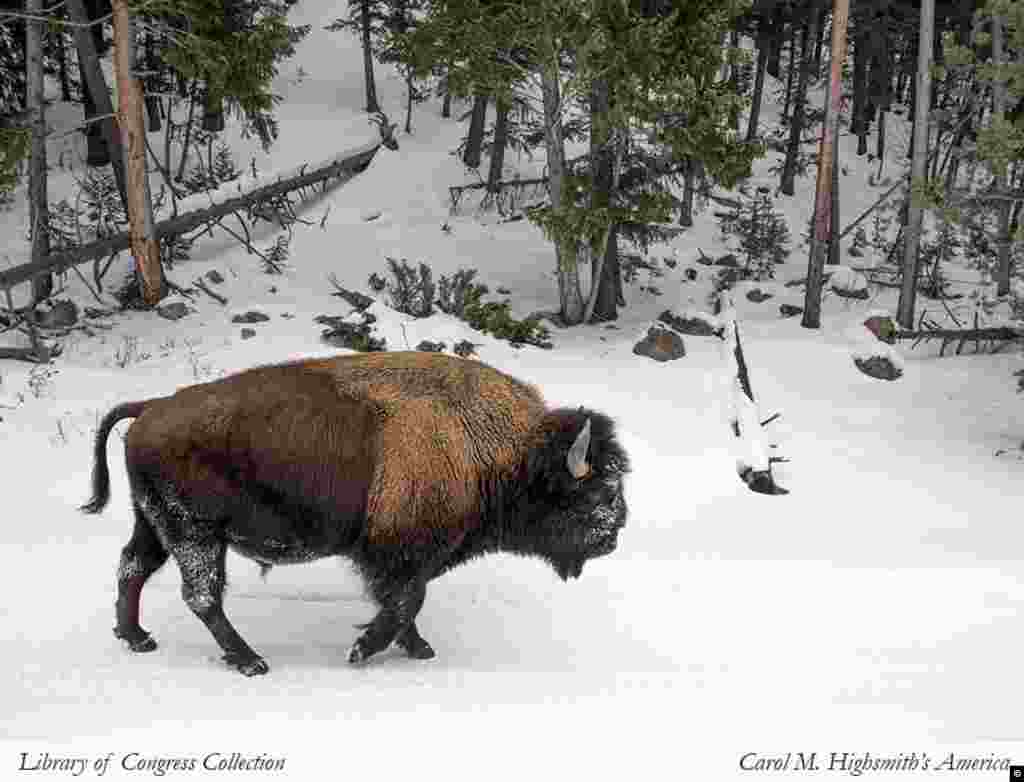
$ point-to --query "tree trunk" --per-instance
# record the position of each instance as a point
(372, 106)
(912, 241)
(131, 124)
(566, 250)
(790, 70)
(823, 222)
(42, 286)
(409, 92)
(60, 52)
(686, 209)
(601, 304)
(94, 81)
(501, 107)
(858, 120)
(473, 153)
(755, 101)
(1004, 267)
(446, 104)
(796, 123)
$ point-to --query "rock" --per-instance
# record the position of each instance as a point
(757, 295)
(355, 336)
(729, 259)
(660, 344)
(248, 333)
(695, 327)
(215, 277)
(176, 310)
(878, 367)
(789, 310)
(431, 347)
(855, 252)
(287, 315)
(252, 316)
(369, 218)
(691, 274)
(465, 348)
(882, 327)
(61, 315)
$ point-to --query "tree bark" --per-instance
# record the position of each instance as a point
(1004, 266)
(501, 108)
(755, 101)
(130, 104)
(791, 67)
(566, 251)
(689, 177)
(823, 222)
(604, 161)
(42, 285)
(858, 120)
(796, 122)
(372, 106)
(473, 152)
(915, 215)
(96, 85)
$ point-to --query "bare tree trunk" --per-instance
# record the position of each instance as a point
(473, 153)
(605, 161)
(796, 122)
(446, 104)
(689, 177)
(93, 80)
(858, 120)
(763, 44)
(790, 71)
(566, 251)
(501, 108)
(61, 53)
(42, 286)
(130, 102)
(823, 223)
(915, 215)
(1004, 267)
(372, 106)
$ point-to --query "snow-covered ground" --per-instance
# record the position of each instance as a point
(875, 609)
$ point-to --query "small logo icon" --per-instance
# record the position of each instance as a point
(1016, 773)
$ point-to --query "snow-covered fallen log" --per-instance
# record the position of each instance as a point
(753, 462)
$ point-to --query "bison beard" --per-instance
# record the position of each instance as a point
(407, 464)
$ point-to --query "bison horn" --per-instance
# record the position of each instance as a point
(577, 459)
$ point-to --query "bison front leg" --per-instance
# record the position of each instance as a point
(395, 622)
(203, 575)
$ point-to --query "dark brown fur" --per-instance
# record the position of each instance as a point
(407, 463)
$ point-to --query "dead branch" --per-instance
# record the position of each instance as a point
(198, 282)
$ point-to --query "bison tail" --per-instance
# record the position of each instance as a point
(100, 473)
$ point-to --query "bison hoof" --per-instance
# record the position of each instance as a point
(247, 665)
(138, 640)
(418, 649)
(360, 652)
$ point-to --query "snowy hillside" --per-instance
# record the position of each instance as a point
(877, 609)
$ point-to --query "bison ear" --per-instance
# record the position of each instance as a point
(577, 459)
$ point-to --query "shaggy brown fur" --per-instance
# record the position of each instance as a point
(408, 463)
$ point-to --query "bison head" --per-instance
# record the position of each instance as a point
(572, 506)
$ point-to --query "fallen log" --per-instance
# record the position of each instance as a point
(998, 334)
(345, 167)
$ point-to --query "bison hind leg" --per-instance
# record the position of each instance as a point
(140, 559)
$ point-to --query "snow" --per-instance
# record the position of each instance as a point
(877, 608)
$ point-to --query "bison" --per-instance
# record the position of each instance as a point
(407, 464)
